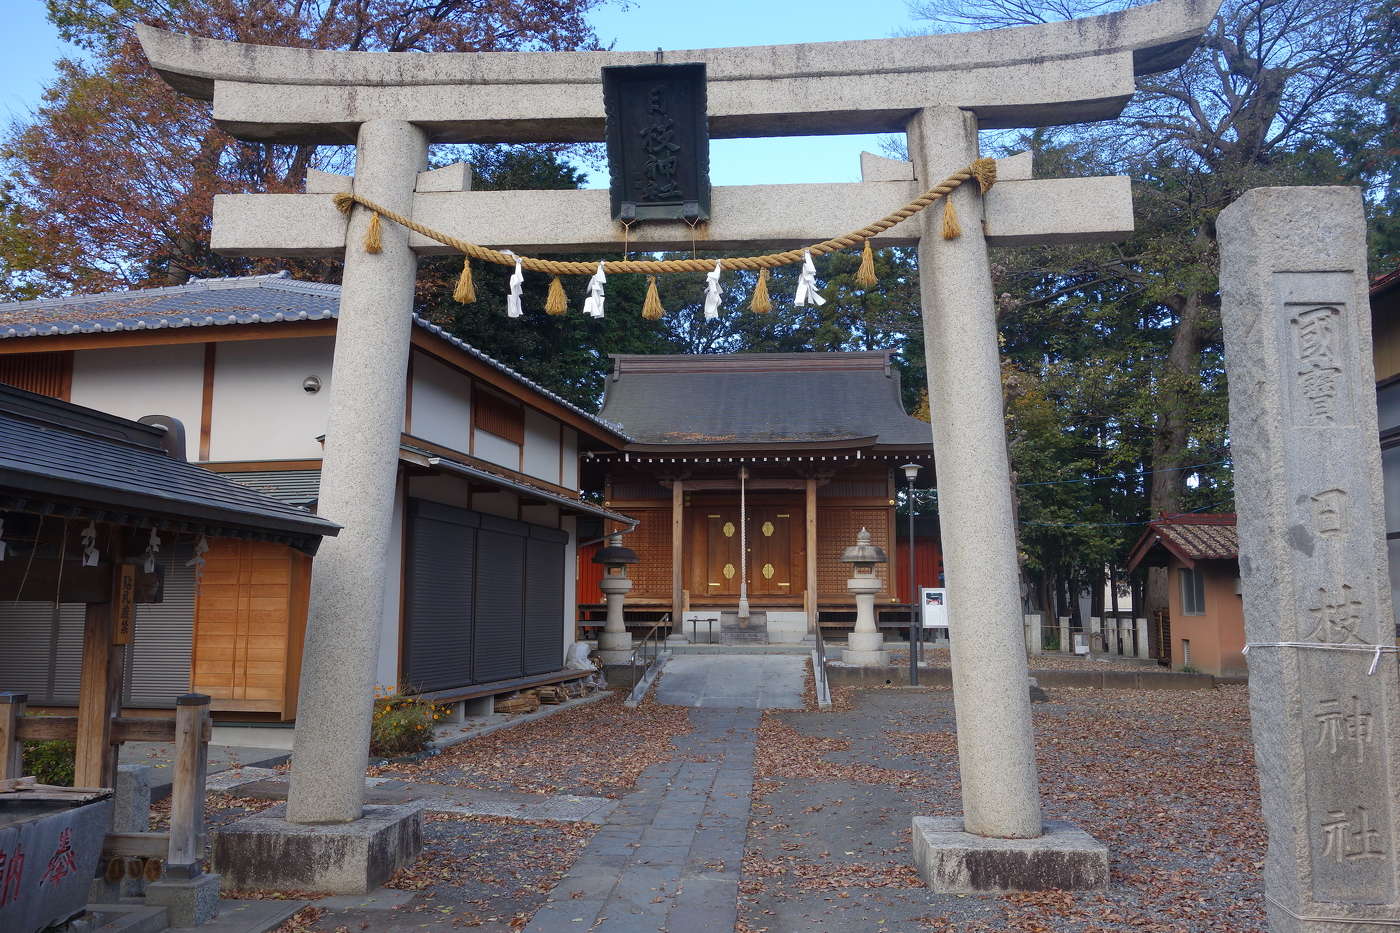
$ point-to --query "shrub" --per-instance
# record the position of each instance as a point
(403, 725)
(50, 762)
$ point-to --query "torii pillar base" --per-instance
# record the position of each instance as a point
(952, 861)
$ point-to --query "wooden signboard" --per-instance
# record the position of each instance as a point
(125, 608)
(658, 142)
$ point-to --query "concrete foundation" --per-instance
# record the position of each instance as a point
(952, 861)
(265, 852)
(188, 902)
(866, 649)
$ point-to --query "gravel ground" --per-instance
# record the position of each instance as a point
(1166, 779)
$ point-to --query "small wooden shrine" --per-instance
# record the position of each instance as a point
(750, 473)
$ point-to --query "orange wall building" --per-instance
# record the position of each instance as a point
(1204, 626)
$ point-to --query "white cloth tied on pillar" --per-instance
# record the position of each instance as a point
(713, 292)
(593, 304)
(517, 278)
(90, 554)
(807, 293)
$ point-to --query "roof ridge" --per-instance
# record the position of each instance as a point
(190, 286)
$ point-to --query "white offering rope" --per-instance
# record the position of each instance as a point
(1377, 650)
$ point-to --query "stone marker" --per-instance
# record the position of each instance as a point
(1326, 708)
(1143, 649)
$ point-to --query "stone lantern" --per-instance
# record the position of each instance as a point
(865, 646)
(615, 643)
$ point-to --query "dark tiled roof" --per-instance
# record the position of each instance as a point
(719, 400)
(1189, 537)
(53, 451)
(253, 299)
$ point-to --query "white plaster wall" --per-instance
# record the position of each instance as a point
(504, 504)
(570, 524)
(135, 381)
(540, 513)
(449, 490)
(541, 446)
(441, 410)
(386, 671)
(497, 450)
(261, 411)
(570, 442)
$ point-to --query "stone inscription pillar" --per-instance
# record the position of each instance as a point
(357, 487)
(1312, 555)
(996, 752)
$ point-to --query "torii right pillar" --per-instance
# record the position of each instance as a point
(1000, 843)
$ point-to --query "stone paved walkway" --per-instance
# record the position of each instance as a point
(668, 858)
(729, 681)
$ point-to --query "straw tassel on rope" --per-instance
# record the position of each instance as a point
(651, 307)
(556, 302)
(374, 236)
(951, 228)
(865, 275)
(761, 303)
(465, 292)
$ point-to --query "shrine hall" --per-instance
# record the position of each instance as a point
(749, 474)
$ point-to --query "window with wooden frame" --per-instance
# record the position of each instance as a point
(48, 374)
(496, 415)
(1193, 592)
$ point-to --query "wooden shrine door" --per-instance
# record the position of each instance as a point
(775, 558)
(721, 564)
(775, 555)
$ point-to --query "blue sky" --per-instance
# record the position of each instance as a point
(31, 45)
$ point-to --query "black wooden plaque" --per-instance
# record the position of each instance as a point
(658, 141)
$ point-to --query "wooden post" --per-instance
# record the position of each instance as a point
(811, 595)
(100, 684)
(677, 555)
(11, 749)
(187, 782)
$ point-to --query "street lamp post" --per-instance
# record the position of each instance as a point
(911, 472)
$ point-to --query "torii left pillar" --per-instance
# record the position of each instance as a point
(358, 473)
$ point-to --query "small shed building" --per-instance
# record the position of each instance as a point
(1204, 625)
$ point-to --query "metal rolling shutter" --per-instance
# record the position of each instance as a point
(544, 600)
(500, 600)
(26, 635)
(68, 654)
(438, 600)
(158, 661)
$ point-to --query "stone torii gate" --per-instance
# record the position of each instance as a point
(940, 90)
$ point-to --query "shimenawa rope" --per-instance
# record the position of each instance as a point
(984, 170)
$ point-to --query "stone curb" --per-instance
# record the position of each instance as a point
(898, 676)
(639, 692)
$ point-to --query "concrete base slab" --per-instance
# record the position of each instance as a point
(878, 658)
(265, 852)
(127, 918)
(378, 899)
(247, 917)
(188, 902)
(952, 861)
(615, 656)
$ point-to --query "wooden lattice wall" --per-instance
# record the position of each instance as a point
(48, 374)
(652, 541)
(837, 528)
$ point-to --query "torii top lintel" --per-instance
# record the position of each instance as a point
(1054, 73)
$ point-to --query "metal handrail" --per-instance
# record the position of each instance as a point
(641, 650)
(823, 688)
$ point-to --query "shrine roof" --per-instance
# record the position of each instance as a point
(747, 400)
(1188, 537)
(60, 457)
(218, 302)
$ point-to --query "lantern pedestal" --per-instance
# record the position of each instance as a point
(865, 645)
(615, 642)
